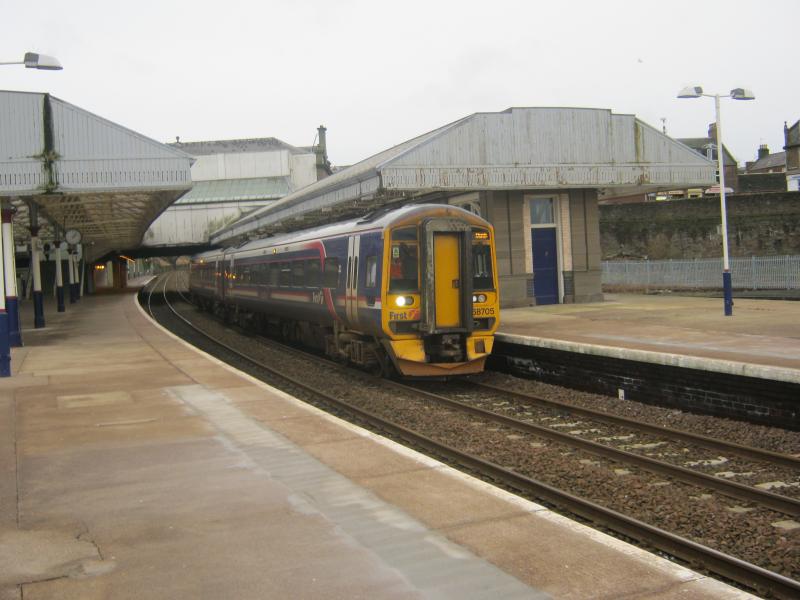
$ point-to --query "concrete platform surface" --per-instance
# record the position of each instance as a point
(134, 466)
(760, 339)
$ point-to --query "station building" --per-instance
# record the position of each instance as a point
(534, 173)
(232, 178)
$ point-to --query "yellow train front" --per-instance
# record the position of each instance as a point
(441, 297)
(412, 289)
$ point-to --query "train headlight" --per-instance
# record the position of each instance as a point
(479, 298)
(404, 301)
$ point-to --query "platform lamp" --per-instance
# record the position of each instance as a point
(34, 60)
(736, 94)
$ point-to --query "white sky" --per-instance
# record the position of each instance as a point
(378, 73)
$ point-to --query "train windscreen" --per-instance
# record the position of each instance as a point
(482, 278)
(404, 262)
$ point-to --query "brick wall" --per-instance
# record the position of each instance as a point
(758, 225)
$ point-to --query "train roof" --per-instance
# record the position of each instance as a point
(377, 220)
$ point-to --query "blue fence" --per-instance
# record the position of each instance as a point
(752, 273)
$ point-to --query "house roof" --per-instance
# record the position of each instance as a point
(519, 148)
(202, 148)
(700, 145)
(776, 159)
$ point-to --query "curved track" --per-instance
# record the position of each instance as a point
(745, 573)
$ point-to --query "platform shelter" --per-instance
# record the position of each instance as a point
(534, 173)
(74, 187)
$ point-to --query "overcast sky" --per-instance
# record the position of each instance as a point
(378, 73)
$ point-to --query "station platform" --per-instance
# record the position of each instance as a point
(761, 339)
(135, 466)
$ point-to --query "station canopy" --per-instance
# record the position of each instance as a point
(516, 149)
(83, 172)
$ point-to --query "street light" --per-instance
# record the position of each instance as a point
(34, 60)
(736, 94)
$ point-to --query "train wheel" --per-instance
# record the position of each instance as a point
(383, 366)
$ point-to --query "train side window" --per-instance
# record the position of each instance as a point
(286, 274)
(298, 273)
(372, 272)
(312, 273)
(330, 278)
(274, 274)
(259, 274)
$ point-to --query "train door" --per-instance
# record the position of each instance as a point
(227, 277)
(351, 284)
(219, 278)
(447, 283)
(446, 276)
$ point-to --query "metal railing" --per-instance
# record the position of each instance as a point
(748, 273)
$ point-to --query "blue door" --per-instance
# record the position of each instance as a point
(545, 265)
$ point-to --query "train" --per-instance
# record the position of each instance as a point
(409, 291)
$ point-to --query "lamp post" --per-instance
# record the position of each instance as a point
(34, 60)
(736, 94)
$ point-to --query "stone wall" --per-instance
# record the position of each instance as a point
(758, 225)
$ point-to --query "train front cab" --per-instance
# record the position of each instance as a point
(442, 300)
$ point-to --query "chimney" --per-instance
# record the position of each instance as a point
(321, 151)
(763, 151)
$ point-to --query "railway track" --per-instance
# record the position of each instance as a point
(778, 502)
(743, 572)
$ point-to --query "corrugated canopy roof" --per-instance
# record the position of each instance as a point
(84, 172)
(227, 190)
(519, 148)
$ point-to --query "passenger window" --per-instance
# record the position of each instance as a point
(312, 273)
(274, 274)
(286, 274)
(330, 278)
(298, 277)
(372, 272)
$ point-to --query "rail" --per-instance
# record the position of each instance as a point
(727, 566)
